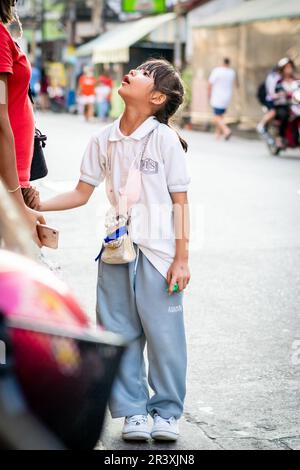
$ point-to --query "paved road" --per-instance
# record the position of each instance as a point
(242, 308)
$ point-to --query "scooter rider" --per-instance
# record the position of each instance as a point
(283, 95)
(266, 93)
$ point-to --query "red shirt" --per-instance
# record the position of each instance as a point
(87, 85)
(15, 63)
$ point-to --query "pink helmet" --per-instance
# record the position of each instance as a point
(63, 366)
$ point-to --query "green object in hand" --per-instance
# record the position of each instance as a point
(175, 288)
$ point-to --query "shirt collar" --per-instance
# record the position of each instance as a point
(144, 129)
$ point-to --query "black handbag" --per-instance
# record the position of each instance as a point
(38, 166)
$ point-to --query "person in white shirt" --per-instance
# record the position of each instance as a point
(142, 300)
(220, 89)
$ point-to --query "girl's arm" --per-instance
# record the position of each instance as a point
(76, 198)
(179, 271)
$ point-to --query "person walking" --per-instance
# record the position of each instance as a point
(143, 160)
(16, 119)
(282, 98)
(35, 81)
(267, 100)
(103, 92)
(221, 82)
(86, 92)
(44, 91)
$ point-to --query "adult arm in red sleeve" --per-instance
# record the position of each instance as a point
(6, 58)
(8, 167)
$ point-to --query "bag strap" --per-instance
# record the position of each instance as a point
(145, 147)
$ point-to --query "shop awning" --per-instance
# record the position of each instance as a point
(113, 46)
(251, 11)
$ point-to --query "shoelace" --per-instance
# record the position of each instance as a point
(137, 419)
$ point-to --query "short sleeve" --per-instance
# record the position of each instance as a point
(175, 162)
(6, 53)
(93, 164)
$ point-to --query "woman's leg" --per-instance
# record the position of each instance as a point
(282, 114)
(163, 323)
(116, 311)
(102, 109)
(218, 132)
(105, 109)
(90, 111)
(268, 117)
(85, 112)
(98, 109)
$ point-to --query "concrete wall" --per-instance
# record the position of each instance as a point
(206, 10)
(254, 49)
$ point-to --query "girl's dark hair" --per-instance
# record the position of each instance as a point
(167, 81)
(6, 11)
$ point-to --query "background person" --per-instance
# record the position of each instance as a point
(35, 81)
(86, 92)
(270, 85)
(220, 89)
(103, 93)
(283, 95)
(44, 93)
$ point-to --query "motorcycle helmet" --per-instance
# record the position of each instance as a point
(284, 62)
(56, 371)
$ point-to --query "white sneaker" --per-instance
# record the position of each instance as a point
(136, 428)
(165, 429)
(261, 129)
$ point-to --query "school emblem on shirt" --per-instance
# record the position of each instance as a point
(149, 166)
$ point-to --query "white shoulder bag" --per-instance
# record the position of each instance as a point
(118, 247)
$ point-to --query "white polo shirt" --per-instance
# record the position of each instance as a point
(164, 171)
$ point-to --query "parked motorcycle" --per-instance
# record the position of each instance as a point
(56, 370)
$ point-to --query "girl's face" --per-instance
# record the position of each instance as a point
(138, 87)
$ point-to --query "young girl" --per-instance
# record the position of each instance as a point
(136, 299)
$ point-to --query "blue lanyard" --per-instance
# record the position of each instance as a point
(117, 234)
(113, 236)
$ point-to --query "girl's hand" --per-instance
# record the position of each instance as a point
(32, 198)
(179, 273)
(33, 219)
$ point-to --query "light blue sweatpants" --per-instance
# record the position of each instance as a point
(132, 300)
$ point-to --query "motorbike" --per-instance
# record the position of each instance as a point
(291, 138)
(56, 368)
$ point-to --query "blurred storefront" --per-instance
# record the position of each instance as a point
(255, 35)
(128, 44)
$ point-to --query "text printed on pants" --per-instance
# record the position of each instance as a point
(175, 308)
